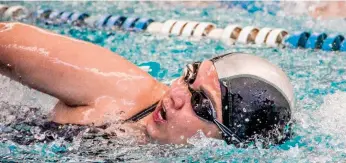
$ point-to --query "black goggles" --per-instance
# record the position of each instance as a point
(202, 105)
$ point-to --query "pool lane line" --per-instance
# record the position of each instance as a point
(231, 34)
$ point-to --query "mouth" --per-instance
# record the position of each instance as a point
(160, 115)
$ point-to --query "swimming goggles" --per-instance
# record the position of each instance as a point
(202, 105)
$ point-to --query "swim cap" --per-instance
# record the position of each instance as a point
(257, 97)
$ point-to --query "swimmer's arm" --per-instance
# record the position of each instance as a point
(76, 72)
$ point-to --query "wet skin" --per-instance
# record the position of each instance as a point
(181, 121)
(96, 86)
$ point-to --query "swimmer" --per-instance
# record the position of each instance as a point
(235, 97)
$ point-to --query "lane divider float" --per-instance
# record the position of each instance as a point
(276, 37)
(343, 46)
(315, 41)
(178, 27)
(142, 24)
(15, 13)
(248, 35)
(203, 29)
(155, 27)
(298, 39)
(114, 21)
(332, 42)
(262, 36)
(230, 34)
(3, 8)
(129, 23)
(271, 37)
(189, 28)
(167, 27)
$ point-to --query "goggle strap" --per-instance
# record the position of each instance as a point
(143, 113)
(215, 59)
(227, 131)
(226, 104)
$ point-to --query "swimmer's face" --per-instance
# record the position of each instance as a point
(179, 121)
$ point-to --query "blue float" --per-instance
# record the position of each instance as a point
(54, 14)
(142, 24)
(78, 16)
(101, 22)
(332, 43)
(343, 46)
(43, 13)
(129, 23)
(65, 16)
(315, 41)
(298, 39)
(115, 21)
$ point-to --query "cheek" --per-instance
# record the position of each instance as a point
(154, 131)
(187, 124)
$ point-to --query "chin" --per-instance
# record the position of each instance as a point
(153, 131)
(159, 136)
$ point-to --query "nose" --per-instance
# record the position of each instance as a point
(176, 98)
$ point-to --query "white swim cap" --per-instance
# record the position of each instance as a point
(257, 96)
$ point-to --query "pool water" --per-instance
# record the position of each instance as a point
(318, 78)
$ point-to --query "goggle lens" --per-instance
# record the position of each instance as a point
(201, 105)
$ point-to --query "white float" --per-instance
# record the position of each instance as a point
(189, 28)
(230, 34)
(245, 34)
(3, 8)
(203, 29)
(178, 27)
(215, 33)
(275, 37)
(167, 26)
(262, 36)
(155, 27)
(15, 12)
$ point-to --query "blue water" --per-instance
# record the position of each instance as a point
(318, 79)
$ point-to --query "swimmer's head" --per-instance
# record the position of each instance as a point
(235, 97)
